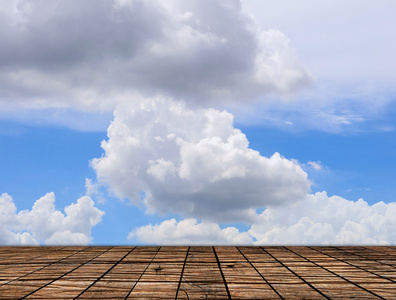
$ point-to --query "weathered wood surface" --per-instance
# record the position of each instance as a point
(197, 272)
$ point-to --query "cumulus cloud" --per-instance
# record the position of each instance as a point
(8, 220)
(192, 162)
(317, 220)
(320, 219)
(92, 54)
(44, 224)
(190, 232)
(174, 156)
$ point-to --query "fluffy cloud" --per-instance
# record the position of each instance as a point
(320, 219)
(317, 220)
(192, 162)
(8, 220)
(190, 232)
(43, 223)
(92, 54)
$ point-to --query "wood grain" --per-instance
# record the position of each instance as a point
(154, 272)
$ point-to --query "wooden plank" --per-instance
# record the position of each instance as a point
(243, 281)
(208, 273)
(202, 278)
(162, 276)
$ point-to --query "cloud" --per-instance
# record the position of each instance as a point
(176, 156)
(93, 190)
(190, 232)
(324, 109)
(8, 220)
(90, 55)
(43, 223)
(316, 165)
(320, 219)
(317, 220)
(192, 162)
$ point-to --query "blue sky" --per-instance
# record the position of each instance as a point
(206, 122)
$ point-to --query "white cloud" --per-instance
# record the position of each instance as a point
(347, 43)
(192, 162)
(43, 223)
(320, 219)
(93, 190)
(349, 53)
(317, 165)
(8, 220)
(322, 108)
(68, 238)
(190, 232)
(55, 53)
(317, 220)
(205, 52)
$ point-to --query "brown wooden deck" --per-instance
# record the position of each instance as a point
(198, 272)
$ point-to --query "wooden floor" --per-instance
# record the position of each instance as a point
(198, 272)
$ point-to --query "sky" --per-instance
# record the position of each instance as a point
(229, 122)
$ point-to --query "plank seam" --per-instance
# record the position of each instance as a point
(104, 274)
(141, 275)
(66, 273)
(27, 250)
(221, 272)
(370, 259)
(266, 281)
(16, 279)
(352, 265)
(382, 247)
(306, 282)
(181, 275)
(343, 278)
(21, 263)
